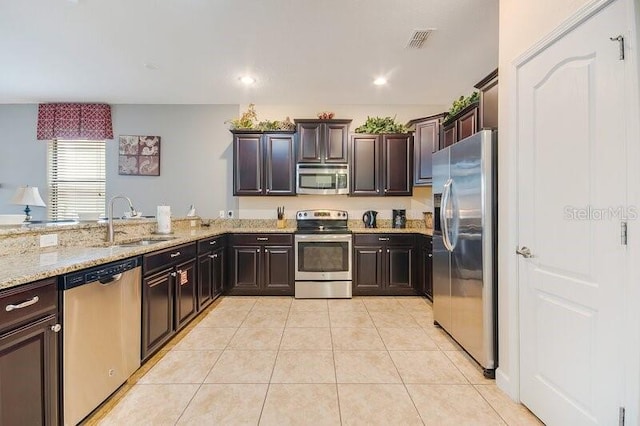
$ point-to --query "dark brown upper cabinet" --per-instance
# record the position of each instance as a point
(488, 88)
(462, 125)
(322, 141)
(426, 142)
(263, 163)
(381, 164)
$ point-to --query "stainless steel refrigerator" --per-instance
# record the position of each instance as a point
(464, 245)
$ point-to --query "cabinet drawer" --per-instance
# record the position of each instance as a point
(168, 257)
(389, 239)
(266, 239)
(28, 302)
(210, 244)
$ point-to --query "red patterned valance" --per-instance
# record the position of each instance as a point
(74, 121)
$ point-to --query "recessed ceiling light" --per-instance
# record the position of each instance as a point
(380, 81)
(247, 80)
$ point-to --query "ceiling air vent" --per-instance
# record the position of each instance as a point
(418, 38)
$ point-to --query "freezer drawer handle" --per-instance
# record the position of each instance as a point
(176, 254)
(525, 252)
(24, 304)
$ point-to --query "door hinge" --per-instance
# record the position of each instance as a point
(623, 233)
(620, 40)
(621, 416)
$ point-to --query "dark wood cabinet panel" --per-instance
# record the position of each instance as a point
(384, 264)
(367, 271)
(449, 135)
(309, 142)
(186, 293)
(263, 163)
(397, 164)
(279, 164)
(426, 142)
(261, 264)
(218, 271)
(248, 162)
(400, 267)
(29, 374)
(246, 266)
(205, 280)
(211, 270)
(468, 124)
(157, 311)
(424, 284)
(488, 88)
(322, 141)
(365, 165)
(278, 269)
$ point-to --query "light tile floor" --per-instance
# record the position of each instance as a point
(281, 361)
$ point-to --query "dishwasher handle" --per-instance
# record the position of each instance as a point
(109, 280)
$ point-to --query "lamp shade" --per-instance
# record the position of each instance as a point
(28, 196)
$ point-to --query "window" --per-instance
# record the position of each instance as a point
(76, 178)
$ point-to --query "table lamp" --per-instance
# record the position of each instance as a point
(27, 196)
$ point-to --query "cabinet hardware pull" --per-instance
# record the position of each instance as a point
(258, 251)
(179, 271)
(379, 250)
(430, 255)
(268, 190)
(56, 328)
(176, 254)
(262, 239)
(21, 305)
(213, 256)
(211, 243)
(173, 274)
(383, 239)
(387, 250)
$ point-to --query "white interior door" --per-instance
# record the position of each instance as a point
(571, 198)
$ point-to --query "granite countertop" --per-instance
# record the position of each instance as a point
(25, 268)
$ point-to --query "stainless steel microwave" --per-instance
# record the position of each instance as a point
(322, 179)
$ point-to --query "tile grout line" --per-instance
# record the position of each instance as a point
(212, 366)
(275, 361)
(489, 403)
(335, 369)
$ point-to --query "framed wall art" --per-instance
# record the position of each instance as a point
(139, 155)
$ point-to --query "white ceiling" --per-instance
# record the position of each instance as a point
(300, 51)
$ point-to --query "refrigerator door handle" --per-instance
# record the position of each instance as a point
(443, 215)
(455, 218)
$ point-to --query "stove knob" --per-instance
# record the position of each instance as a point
(305, 214)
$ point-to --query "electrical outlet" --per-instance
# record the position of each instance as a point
(48, 240)
(221, 214)
(229, 214)
(192, 223)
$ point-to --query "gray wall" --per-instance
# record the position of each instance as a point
(195, 157)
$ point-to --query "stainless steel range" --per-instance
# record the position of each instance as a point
(323, 255)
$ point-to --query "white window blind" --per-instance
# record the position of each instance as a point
(76, 177)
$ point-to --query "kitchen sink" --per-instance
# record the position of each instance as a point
(145, 242)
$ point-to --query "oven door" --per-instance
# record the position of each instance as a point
(323, 257)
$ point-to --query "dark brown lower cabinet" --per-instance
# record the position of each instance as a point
(425, 266)
(384, 264)
(169, 295)
(29, 343)
(261, 264)
(211, 270)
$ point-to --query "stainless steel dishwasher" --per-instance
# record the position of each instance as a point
(101, 334)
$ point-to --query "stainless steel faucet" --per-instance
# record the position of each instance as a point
(110, 231)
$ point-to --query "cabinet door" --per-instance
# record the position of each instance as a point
(247, 164)
(427, 139)
(449, 135)
(365, 165)
(278, 270)
(336, 140)
(29, 374)
(245, 267)
(428, 268)
(309, 149)
(367, 269)
(186, 294)
(157, 311)
(280, 164)
(205, 280)
(468, 124)
(218, 271)
(400, 271)
(397, 164)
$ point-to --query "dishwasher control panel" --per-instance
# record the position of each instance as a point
(76, 279)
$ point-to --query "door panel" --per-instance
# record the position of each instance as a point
(397, 165)
(245, 267)
(365, 165)
(279, 165)
(247, 178)
(367, 269)
(309, 145)
(186, 298)
(571, 170)
(336, 143)
(400, 267)
(205, 284)
(278, 269)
